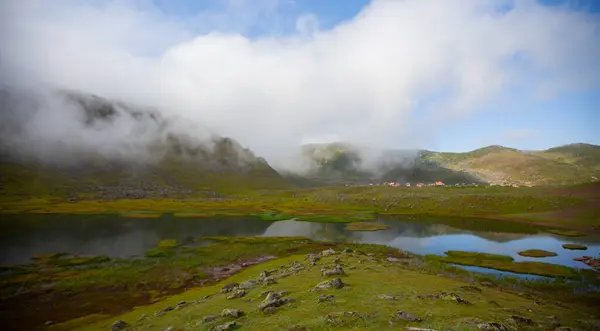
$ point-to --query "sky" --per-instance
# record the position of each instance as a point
(274, 74)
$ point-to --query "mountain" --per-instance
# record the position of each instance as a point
(576, 163)
(343, 163)
(117, 150)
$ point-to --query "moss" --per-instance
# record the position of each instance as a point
(159, 252)
(506, 263)
(574, 247)
(567, 233)
(168, 243)
(275, 216)
(537, 253)
(366, 226)
(330, 218)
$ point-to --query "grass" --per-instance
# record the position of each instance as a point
(574, 247)
(366, 226)
(506, 263)
(537, 253)
(365, 279)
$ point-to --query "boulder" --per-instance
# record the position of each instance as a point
(210, 318)
(235, 313)
(406, 316)
(328, 252)
(237, 294)
(386, 297)
(492, 326)
(164, 311)
(229, 287)
(325, 297)
(119, 325)
(226, 327)
(332, 283)
(337, 270)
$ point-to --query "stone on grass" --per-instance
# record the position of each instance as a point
(325, 297)
(312, 257)
(412, 328)
(164, 311)
(229, 287)
(168, 328)
(328, 252)
(270, 310)
(269, 281)
(237, 294)
(180, 305)
(386, 297)
(226, 327)
(406, 316)
(337, 270)
(521, 319)
(119, 325)
(470, 288)
(248, 284)
(492, 326)
(274, 299)
(332, 283)
(210, 318)
(231, 312)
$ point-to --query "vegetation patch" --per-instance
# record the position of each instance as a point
(574, 247)
(566, 233)
(168, 243)
(506, 263)
(331, 218)
(142, 214)
(275, 216)
(537, 253)
(366, 226)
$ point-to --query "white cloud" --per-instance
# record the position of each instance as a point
(359, 81)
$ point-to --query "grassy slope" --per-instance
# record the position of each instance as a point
(365, 281)
(561, 165)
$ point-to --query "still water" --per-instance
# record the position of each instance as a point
(24, 236)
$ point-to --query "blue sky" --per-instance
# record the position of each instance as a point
(274, 74)
(525, 122)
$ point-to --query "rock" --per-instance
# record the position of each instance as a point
(386, 297)
(210, 318)
(143, 317)
(180, 305)
(521, 319)
(264, 274)
(168, 328)
(337, 270)
(328, 252)
(312, 257)
(270, 310)
(273, 299)
(333, 283)
(226, 327)
(412, 328)
(392, 259)
(164, 311)
(494, 303)
(235, 313)
(237, 294)
(337, 260)
(324, 298)
(296, 328)
(447, 296)
(269, 281)
(406, 316)
(552, 317)
(119, 325)
(347, 250)
(492, 326)
(229, 287)
(248, 284)
(565, 328)
(371, 255)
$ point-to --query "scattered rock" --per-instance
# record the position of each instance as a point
(164, 311)
(226, 327)
(337, 270)
(340, 318)
(371, 255)
(492, 326)
(332, 283)
(248, 284)
(119, 325)
(143, 317)
(347, 250)
(229, 287)
(590, 261)
(386, 297)
(392, 259)
(296, 328)
(180, 305)
(412, 328)
(274, 299)
(522, 320)
(235, 313)
(325, 297)
(447, 296)
(494, 303)
(264, 274)
(269, 281)
(210, 318)
(312, 257)
(406, 316)
(270, 310)
(337, 260)
(168, 328)
(237, 294)
(328, 252)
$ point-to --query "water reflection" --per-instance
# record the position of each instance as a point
(24, 236)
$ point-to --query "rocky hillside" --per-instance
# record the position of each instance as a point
(130, 152)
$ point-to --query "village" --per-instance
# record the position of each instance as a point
(442, 184)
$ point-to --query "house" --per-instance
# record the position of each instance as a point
(407, 184)
(420, 184)
(439, 183)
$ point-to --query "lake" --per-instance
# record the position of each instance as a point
(24, 236)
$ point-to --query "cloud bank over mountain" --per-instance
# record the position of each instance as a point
(386, 77)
